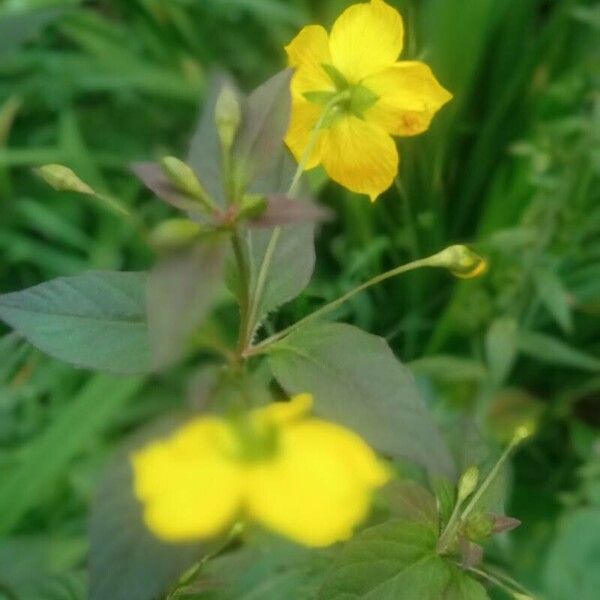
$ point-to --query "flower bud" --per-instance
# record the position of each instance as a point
(174, 234)
(467, 483)
(478, 527)
(461, 261)
(228, 116)
(253, 205)
(182, 177)
(521, 433)
(63, 179)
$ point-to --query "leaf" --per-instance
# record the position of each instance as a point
(357, 381)
(409, 500)
(548, 349)
(96, 320)
(265, 121)
(47, 457)
(449, 368)
(264, 569)
(182, 288)
(397, 561)
(126, 561)
(282, 210)
(18, 26)
(501, 347)
(205, 148)
(554, 297)
(152, 176)
(571, 569)
(290, 268)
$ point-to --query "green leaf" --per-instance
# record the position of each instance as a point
(548, 349)
(96, 320)
(449, 368)
(181, 289)
(18, 26)
(357, 381)
(501, 347)
(265, 569)
(571, 569)
(554, 297)
(126, 561)
(47, 457)
(265, 121)
(397, 561)
(291, 266)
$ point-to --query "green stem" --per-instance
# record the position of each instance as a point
(265, 266)
(509, 586)
(244, 273)
(260, 348)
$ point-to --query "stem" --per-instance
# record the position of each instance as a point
(244, 272)
(263, 273)
(508, 585)
(488, 480)
(259, 348)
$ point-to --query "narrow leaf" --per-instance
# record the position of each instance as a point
(357, 381)
(282, 210)
(554, 296)
(548, 349)
(96, 320)
(501, 347)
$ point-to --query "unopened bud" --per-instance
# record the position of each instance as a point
(479, 527)
(521, 433)
(467, 483)
(461, 261)
(63, 179)
(174, 234)
(252, 206)
(182, 176)
(228, 116)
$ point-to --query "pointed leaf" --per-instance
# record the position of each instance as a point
(554, 296)
(96, 320)
(357, 381)
(501, 347)
(264, 125)
(282, 210)
(397, 560)
(181, 290)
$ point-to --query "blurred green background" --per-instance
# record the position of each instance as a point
(512, 166)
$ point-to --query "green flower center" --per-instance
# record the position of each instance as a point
(354, 99)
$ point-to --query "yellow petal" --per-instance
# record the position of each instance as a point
(365, 39)
(359, 156)
(409, 96)
(307, 52)
(304, 118)
(281, 413)
(187, 484)
(319, 486)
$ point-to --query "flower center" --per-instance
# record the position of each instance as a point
(255, 440)
(353, 99)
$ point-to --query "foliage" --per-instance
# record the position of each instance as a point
(512, 167)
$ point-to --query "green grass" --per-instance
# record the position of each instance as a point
(511, 165)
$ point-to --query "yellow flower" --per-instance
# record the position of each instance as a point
(304, 478)
(353, 75)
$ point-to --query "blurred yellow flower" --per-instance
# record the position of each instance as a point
(352, 76)
(302, 477)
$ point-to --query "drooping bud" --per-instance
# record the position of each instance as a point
(467, 484)
(183, 178)
(461, 261)
(174, 234)
(63, 179)
(228, 116)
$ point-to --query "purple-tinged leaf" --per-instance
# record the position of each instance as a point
(265, 122)
(152, 176)
(205, 147)
(471, 553)
(181, 290)
(503, 523)
(282, 210)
